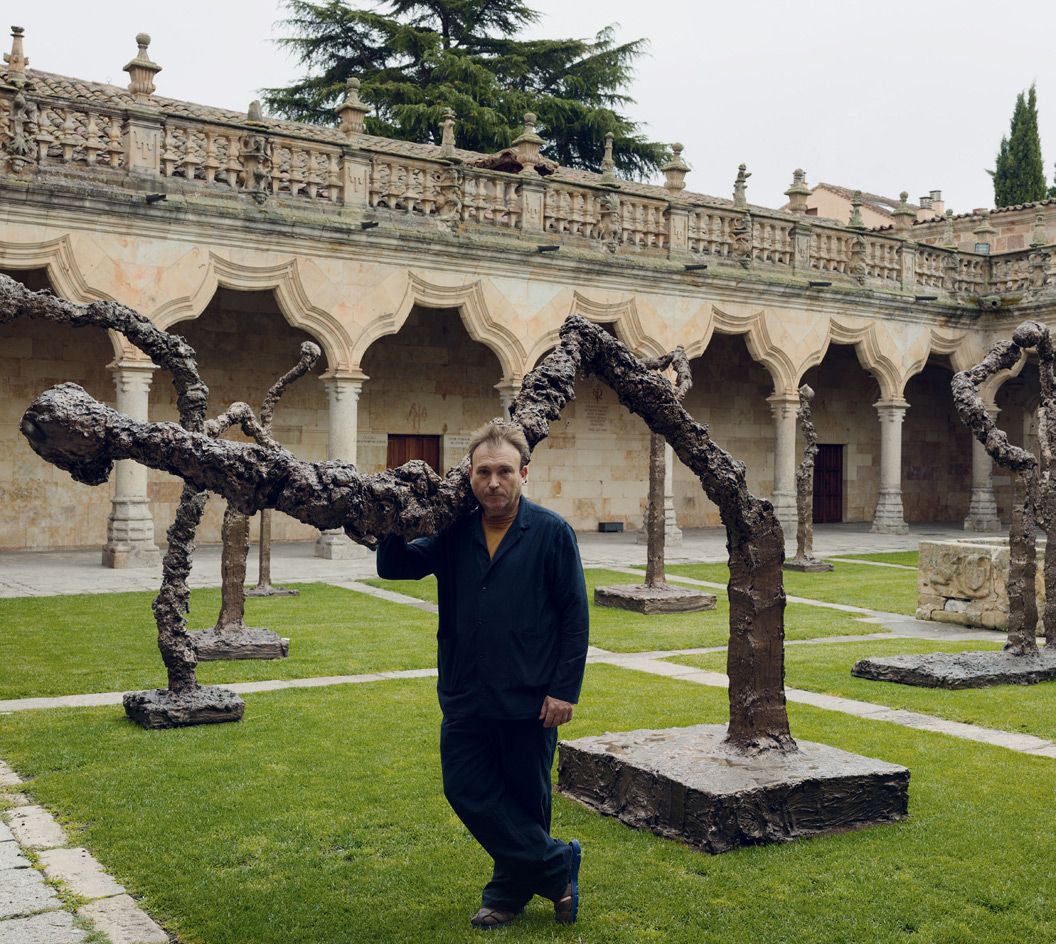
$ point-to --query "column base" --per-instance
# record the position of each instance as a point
(888, 518)
(119, 557)
(982, 512)
(785, 509)
(672, 537)
(130, 536)
(335, 545)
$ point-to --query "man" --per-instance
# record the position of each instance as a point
(512, 646)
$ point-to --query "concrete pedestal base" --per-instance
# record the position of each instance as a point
(961, 669)
(270, 591)
(649, 600)
(809, 565)
(336, 545)
(161, 708)
(684, 783)
(245, 642)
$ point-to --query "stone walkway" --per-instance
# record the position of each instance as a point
(51, 573)
(35, 901)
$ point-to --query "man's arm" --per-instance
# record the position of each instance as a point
(398, 560)
(570, 598)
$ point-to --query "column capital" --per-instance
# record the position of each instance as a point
(132, 364)
(891, 408)
(344, 373)
(783, 406)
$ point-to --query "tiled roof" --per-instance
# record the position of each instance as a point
(875, 201)
(105, 95)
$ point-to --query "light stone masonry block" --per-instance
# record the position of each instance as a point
(8, 778)
(35, 828)
(22, 891)
(5, 833)
(80, 871)
(52, 927)
(11, 857)
(121, 920)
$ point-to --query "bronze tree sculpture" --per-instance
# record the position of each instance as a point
(655, 595)
(77, 433)
(230, 638)
(805, 559)
(1033, 500)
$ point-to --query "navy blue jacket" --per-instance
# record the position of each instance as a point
(513, 628)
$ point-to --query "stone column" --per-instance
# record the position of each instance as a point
(888, 518)
(785, 408)
(342, 390)
(672, 532)
(982, 509)
(130, 527)
(508, 390)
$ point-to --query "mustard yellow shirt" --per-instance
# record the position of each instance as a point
(495, 530)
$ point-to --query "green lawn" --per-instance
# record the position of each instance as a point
(319, 819)
(905, 558)
(826, 668)
(875, 588)
(108, 642)
(622, 631)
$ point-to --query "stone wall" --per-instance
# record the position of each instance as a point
(430, 379)
(594, 465)
(729, 394)
(844, 415)
(244, 345)
(41, 507)
(1017, 401)
(936, 451)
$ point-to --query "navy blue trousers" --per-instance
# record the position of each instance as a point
(497, 779)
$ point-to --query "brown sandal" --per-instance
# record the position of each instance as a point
(489, 918)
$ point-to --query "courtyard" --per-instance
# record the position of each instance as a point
(320, 816)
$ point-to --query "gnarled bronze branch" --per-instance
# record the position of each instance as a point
(73, 431)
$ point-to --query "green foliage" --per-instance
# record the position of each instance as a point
(1019, 173)
(417, 58)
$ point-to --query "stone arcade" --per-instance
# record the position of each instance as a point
(417, 270)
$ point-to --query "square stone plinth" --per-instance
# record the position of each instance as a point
(960, 669)
(244, 642)
(684, 783)
(642, 599)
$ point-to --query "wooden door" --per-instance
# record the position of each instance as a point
(828, 484)
(402, 449)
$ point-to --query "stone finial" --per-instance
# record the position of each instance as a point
(255, 113)
(447, 134)
(799, 191)
(949, 240)
(608, 165)
(985, 229)
(353, 110)
(903, 214)
(142, 70)
(16, 60)
(856, 221)
(1039, 237)
(675, 170)
(740, 188)
(527, 144)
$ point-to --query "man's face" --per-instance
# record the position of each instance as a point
(496, 477)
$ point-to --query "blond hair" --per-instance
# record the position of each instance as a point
(498, 433)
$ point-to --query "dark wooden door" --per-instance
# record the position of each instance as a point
(828, 484)
(404, 448)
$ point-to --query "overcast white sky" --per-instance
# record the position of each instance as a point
(904, 94)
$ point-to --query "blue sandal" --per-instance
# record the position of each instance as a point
(566, 908)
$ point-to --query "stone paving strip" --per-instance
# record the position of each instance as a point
(30, 910)
(1021, 743)
(858, 560)
(382, 594)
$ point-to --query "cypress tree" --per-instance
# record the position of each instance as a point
(1019, 173)
(414, 58)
